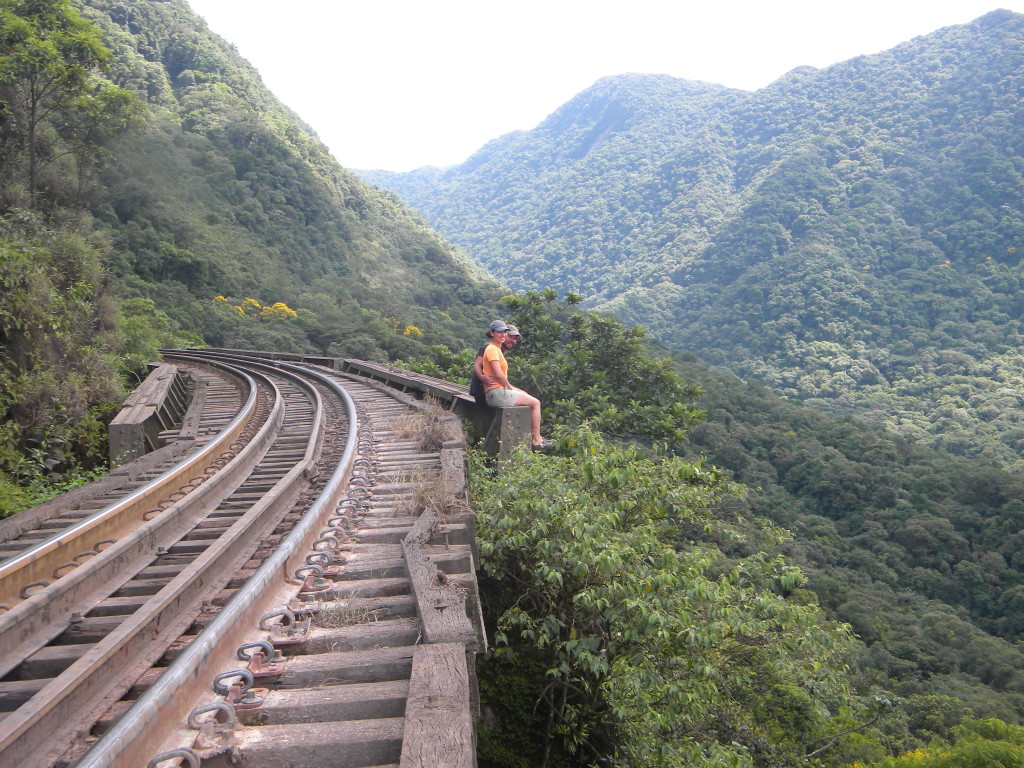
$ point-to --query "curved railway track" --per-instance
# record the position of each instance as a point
(294, 587)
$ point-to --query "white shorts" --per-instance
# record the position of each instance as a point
(500, 397)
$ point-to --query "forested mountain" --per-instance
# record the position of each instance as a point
(850, 236)
(918, 550)
(154, 192)
(226, 192)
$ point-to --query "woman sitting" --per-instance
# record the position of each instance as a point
(498, 392)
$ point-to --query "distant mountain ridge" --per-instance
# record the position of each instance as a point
(851, 236)
(582, 145)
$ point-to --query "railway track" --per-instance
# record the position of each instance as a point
(295, 587)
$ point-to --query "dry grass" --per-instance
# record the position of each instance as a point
(335, 614)
(430, 428)
(427, 493)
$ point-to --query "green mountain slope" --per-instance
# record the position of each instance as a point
(219, 211)
(226, 192)
(850, 236)
(919, 551)
(154, 193)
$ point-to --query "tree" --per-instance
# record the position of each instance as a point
(49, 53)
(643, 649)
(94, 119)
(59, 377)
(978, 744)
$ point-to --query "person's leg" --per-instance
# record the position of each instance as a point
(524, 398)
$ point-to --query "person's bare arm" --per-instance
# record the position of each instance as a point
(498, 375)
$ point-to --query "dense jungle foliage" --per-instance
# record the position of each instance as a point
(850, 236)
(916, 549)
(623, 632)
(913, 548)
(154, 193)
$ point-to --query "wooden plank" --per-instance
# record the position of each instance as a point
(334, 703)
(354, 607)
(385, 587)
(153, 389)
(441, 605)
(361, 637)
(439, 727)
(370, 666)
(349, 745)
(51, 660)
(453, 473)
(16, 692)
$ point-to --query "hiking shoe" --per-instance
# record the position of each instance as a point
(543, 445)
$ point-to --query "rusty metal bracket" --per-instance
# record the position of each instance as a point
(264, 660)
(241, 695)
(290, 631)
(182, 753)
(216, 734)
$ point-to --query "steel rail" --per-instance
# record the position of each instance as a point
(78, 502)
(37, 564)
(152, 719)
(27, 734)
(36, 620)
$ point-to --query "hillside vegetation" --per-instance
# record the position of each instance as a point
(646, 606)
(153, 192)
(916, 550)
(850, 236)
(226, 192)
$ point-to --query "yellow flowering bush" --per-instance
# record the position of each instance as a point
(276, 311)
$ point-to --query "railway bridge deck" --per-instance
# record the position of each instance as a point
(288, 580)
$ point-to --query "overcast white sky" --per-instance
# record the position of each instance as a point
(404, 83)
